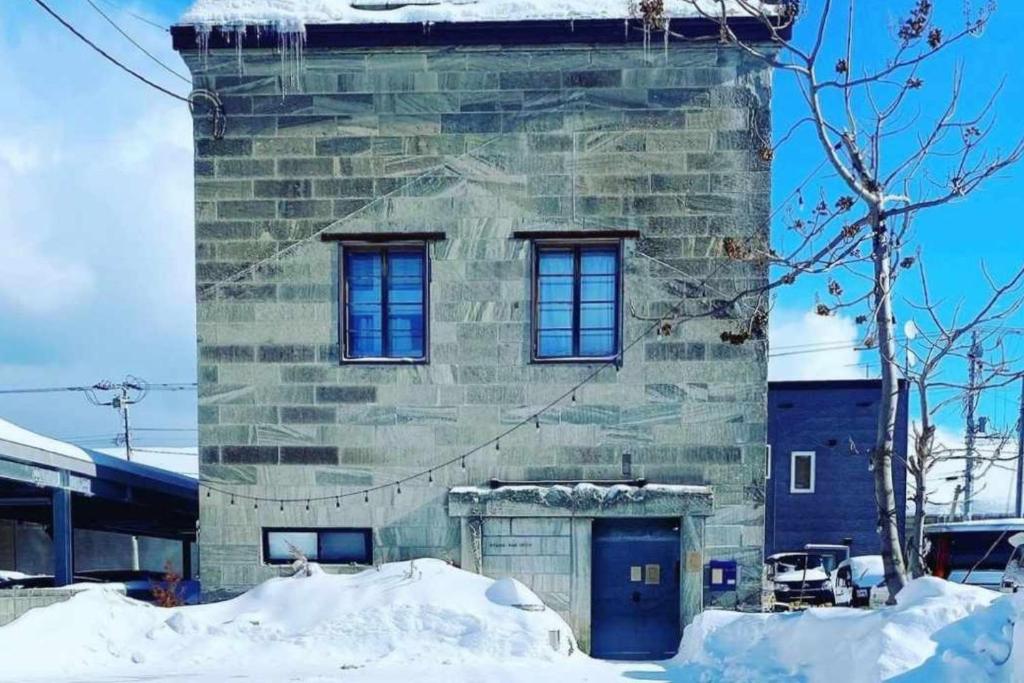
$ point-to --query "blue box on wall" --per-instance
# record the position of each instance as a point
(723, 575)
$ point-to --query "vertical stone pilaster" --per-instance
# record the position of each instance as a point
(691, 596)
(579, 604)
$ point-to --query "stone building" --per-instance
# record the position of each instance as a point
(412, 239)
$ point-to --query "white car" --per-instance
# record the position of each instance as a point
(860, 582)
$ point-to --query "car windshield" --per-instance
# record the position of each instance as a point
(796, 563)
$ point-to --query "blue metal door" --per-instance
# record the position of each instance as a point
(635, 589)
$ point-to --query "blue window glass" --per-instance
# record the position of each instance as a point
(385, 314)
(577, 307)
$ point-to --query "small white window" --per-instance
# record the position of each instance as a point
(801, 472)
(768, 461)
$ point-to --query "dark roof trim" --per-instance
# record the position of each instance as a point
(377, 237)
(574, 234)
(540, 32)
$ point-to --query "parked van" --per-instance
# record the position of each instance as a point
(796, 580)
(860, 582)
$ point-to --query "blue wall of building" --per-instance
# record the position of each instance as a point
(827, 417)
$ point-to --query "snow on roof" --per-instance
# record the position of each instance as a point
(294, 14)
(21, 436)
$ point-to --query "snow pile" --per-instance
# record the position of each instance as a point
(294, 14)
(401, 614)
(939, 631)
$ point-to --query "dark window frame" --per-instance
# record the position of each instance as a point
(383, 248)
(365, 531)
(577, 246)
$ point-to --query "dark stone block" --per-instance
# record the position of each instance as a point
(305, 167)
(249, 455)
(604, 78)
(246, 292)
(204, 167)
(342, 146)
(287, 354)
(209, 455)
(673, 351)
(307, 415)
(328, 353)
(283, 188)
(227, 354)
(333, 394)
(228, 147)
(223, 230)
(309, 455)
(289, 104)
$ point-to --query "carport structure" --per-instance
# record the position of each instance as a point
(64, 487)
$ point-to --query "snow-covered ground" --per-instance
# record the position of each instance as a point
(429, 622)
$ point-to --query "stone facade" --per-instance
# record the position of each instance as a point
(475, 143)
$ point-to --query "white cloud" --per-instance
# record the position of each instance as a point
(807, 346)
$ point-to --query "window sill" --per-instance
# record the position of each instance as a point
(578, 360)
(384, 361)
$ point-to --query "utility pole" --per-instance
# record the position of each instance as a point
(1020, 453)
(129, 392)
(973, 358)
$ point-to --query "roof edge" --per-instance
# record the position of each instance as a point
(469, 34)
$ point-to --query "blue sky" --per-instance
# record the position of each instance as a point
(96, 215)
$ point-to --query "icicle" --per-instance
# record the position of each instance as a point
(239, 38)
(668, 22)
(572, 25)
(626, 27)
(203, 39)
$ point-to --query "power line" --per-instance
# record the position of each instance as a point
(135, 15)
(175, 386)
(109, 58)
(137, 45)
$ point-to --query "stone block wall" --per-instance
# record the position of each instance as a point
(18, 601)
(475, 143)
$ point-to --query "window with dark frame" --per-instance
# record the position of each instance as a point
(576, 312)
(385, 302)
(328, 546)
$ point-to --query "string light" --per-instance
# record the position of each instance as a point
(255, 505)
(571, 394)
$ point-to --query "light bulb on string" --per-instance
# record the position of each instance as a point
(232, 499)
(398, 487)
(307, 506)
(430, 476)
(463, 462)
(497, 445)
(337, 502)
(282, 505)
(256, 505)
(366, 496)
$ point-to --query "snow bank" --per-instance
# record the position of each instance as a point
(939, 631)
(294, 14)
(402, 614)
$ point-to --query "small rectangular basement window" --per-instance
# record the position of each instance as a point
(329, 546)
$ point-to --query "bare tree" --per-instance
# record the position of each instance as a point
(949, 337)
(891, 162)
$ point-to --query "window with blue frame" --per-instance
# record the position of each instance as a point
(385, 297)
(576, 295)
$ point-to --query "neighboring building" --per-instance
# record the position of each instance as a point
(474, 218)
(65, 510)
(820, 488)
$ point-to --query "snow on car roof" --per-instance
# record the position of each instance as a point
(294, 14)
